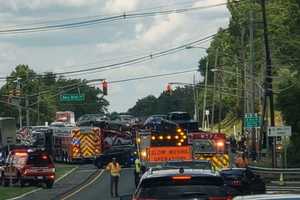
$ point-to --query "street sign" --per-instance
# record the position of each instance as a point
(252, 120)
(72, 97)
(279, 131)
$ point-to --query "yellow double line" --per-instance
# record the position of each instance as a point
(83, 186)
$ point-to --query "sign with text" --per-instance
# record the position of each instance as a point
(279, 131)
(163, 154)
(72, 97)
(252, 120)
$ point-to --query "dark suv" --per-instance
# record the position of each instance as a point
(24, 166)
(180, 184)
(243, 181)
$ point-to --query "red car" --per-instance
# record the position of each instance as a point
(28, 166)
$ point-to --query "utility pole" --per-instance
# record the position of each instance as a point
(27, 110)
(19, 104)
(195, 99)
(220, 100)
(214, 90)
(252, 85)
(269, 80)
(244, 94)
(27, 101)
(205, 93)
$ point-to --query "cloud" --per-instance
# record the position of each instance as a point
(163, 27)
(108, 43)
(16, 5)
(117, 6)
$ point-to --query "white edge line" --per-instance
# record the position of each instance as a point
(83, 187)
(38, 189)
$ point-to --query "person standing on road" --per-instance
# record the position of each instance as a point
(241, 160)
(114, 168)
(137, 171)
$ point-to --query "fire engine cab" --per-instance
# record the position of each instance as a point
(210, 146)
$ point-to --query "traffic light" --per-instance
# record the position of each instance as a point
(104, 87)
(169, 89)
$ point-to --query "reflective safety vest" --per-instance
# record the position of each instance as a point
(138, 164)
(114, 169)
(240, 162)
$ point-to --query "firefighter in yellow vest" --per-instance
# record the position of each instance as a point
(114, 168)
(241, 160)
(137, 171)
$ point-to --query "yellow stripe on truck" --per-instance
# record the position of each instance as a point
(88, 146)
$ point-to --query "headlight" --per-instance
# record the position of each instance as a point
(144, 154)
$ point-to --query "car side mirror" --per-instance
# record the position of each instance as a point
(126, 197)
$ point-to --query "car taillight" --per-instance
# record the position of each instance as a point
(51, 177)
(236, 183)
(181, 177)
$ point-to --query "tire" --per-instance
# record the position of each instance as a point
(49, 184)
(98, 163)
(6, 182)
(20, 181)
(2, 179)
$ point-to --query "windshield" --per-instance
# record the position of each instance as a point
(203, 146)
(38, 160)
(167, 188)
(180, 116)
(190, 165)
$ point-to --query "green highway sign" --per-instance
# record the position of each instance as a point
(252, 120)
(72, 97)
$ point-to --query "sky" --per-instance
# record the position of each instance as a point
(111, 42)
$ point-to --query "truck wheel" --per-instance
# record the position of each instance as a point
(2, 179)
(6, 182)
(49, 184)
(21, 181)
(98, 164)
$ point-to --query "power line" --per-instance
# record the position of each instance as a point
(86, 82)
(140, 59)
(41, 22)
(98, 20)
(152, 76)
(131, 61)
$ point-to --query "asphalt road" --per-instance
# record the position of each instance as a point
(67, 183)
(100, 189)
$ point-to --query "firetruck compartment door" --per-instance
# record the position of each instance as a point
(203, 146)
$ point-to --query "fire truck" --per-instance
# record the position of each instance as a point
(80, 143)
(165, 141)
(210, 146)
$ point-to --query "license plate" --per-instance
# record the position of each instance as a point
(39, 177)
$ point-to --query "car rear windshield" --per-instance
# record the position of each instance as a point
(38, 160)
(190, 165)
(232, 172)
(195, 188)
(180, 116)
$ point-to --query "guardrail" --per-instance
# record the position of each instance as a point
(275, 170)
(277, 174)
